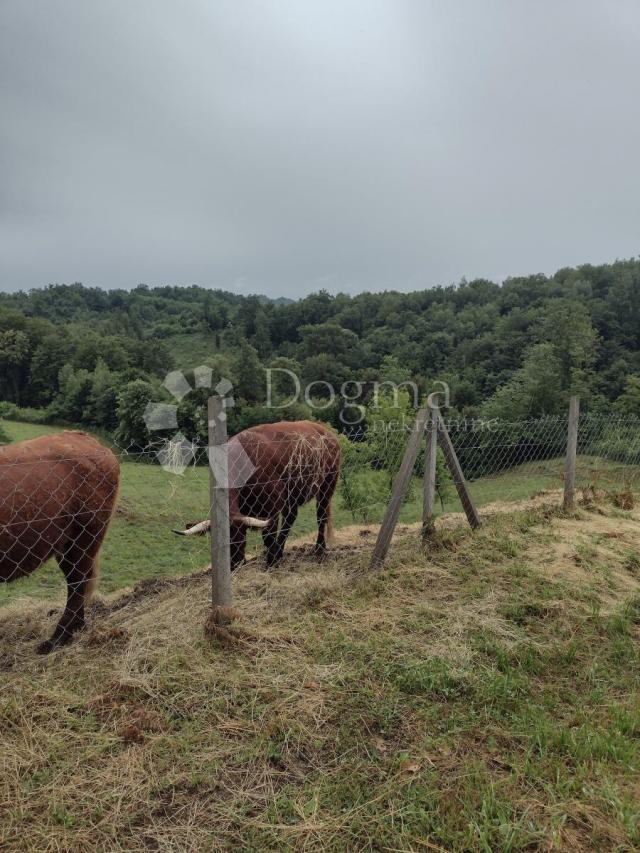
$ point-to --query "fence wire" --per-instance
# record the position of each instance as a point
(57, 496)
(501, 461)
(60, 493)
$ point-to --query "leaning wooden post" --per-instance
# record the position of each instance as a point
(572, 449)
(458, 477)
(400, 485)
(429, 482)
(219, 493)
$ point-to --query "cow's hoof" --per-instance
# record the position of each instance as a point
(319, 552)
(57, 642)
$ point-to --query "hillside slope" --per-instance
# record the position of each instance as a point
(482, 695)
(510, 351)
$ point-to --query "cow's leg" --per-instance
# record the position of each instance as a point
(323, 514)
(270, 540)
(79, 568)
(238, 543)
(288, 520)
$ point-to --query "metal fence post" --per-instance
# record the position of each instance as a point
(572, 449)
(219, 494)
(400, 485)
(429, 482)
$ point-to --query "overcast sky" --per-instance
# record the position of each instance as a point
(280, 146)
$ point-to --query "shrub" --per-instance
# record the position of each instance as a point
(11, 412)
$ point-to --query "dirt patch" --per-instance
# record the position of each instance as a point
(144, 589)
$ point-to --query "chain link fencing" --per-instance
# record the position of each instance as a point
(502, 462)
(57, 499)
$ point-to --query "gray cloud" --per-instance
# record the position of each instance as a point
(283, 145)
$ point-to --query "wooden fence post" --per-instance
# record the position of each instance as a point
(400, 485)
(458, 477)
(219, 493)
(572, 448)
(429, 482)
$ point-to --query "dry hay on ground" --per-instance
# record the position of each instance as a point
(301, 579)
(144, 735)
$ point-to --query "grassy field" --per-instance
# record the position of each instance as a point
(192, 349)
(140, 543)
(481, 695)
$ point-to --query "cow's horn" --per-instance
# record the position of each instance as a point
(194, 530)
(250, 521)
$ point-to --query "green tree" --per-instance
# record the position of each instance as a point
(324, 374)
(216, 315)
(330, 338)
(75, 391)
(536, 389)
(569, 330)
(250, 376)
(48, 359)
(262, 334)
(392, 371)
(132, 402)
(102, 403)
(628, 403)
(14, 364)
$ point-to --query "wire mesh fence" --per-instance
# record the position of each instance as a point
(56, 500)
(511, 460)
(60, 493)
(501, 461)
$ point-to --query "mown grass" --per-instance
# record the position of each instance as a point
(140, 543)
(468, 697)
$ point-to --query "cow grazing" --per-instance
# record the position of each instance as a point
(57, 495)
(274, 469)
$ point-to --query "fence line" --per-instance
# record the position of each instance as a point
(167, 483)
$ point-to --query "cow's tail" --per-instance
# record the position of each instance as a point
(92, 580)
(330, 531)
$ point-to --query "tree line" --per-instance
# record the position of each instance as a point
(95, 358)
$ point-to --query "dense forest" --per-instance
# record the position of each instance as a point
(78, 355)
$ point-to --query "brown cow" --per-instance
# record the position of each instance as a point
(273, 470)
(57, 495)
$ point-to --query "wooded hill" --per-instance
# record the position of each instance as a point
(93, 357)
